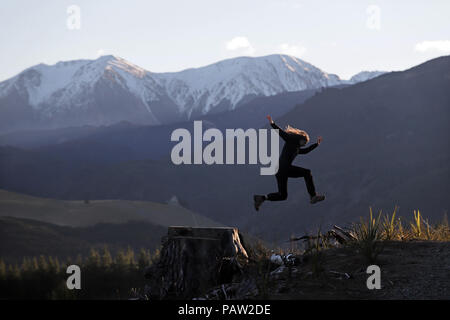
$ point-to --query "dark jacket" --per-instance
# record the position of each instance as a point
(291, 147)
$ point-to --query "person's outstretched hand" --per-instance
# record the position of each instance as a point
(269, 118)
(319, 140)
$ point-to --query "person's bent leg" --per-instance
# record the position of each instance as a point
(275, 196)
(299, 172)
(310, 184)
(281, 195)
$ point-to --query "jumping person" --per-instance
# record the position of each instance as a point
(294, 139)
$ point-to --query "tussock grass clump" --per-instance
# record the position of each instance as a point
(369, 234)
(391, 227)
(422, 229)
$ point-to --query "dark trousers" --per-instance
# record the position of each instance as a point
(282, 179)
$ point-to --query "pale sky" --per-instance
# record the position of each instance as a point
(341, 37)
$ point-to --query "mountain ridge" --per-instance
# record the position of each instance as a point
(111, 89)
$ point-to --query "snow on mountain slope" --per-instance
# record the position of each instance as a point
(61, 83)
(365, 75)
(52, 79)
(111, 89)
(233, 79)
(81, 92)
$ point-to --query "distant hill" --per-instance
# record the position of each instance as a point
(365, 75)
(39, 138)
(31, 226)
(144, 141)
(81, 214)
(30, 238)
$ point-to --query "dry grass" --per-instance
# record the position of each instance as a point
(370, 234)
(388, 227)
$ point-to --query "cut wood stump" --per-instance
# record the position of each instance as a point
(195, 259)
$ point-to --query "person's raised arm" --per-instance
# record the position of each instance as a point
(311, 147)
(281, 132)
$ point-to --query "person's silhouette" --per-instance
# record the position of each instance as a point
(294, 140)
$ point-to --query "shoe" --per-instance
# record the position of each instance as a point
(317, 198)
(258, 200)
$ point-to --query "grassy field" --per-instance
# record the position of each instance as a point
(81, 214)
(32, 226)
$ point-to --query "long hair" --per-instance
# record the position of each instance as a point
(299, 132)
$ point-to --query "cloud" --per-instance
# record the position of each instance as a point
(240, 43)
(292, 49)
(100, 52)
(439, 45)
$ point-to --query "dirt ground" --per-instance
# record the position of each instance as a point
(409, 270)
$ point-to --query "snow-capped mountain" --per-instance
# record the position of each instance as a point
(365, 75)
(223, 85)
(83, 92)
(110, 89)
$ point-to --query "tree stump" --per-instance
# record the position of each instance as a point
(195, 259)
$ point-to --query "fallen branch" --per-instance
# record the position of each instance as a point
(337, 233)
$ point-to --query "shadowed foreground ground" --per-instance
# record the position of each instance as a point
(409, 270)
